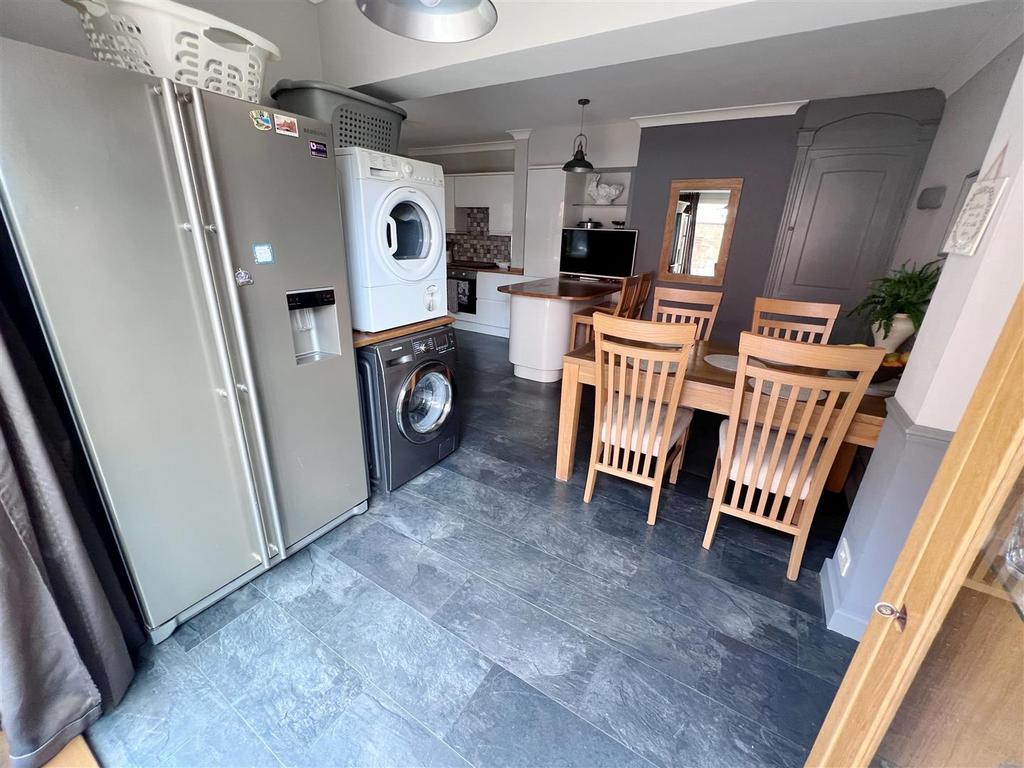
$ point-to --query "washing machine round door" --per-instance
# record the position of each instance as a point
(410, 234)
(425, 401)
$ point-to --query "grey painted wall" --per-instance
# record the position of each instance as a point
(967, 124)
(761, 152)
(901, 470)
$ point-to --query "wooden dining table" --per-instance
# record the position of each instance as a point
(706, 388)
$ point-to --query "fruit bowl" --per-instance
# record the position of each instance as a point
(892, 366)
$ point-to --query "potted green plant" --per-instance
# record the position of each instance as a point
(897, 303)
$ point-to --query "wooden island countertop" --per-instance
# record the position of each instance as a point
(563, 288)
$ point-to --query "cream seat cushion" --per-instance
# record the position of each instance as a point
(640, 437)
(762, 471)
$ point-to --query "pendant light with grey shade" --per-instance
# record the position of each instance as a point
(579, 162)
(433, 21)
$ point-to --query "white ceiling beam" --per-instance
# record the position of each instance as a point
(458, 149)
(746, 112)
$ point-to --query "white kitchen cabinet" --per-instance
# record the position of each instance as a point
(545, 214)
(492, 306)
(449, 204)
(486, 190)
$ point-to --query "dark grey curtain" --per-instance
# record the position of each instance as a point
(66, 624)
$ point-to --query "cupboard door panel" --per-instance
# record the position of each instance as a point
(545, 212)
(850, 208)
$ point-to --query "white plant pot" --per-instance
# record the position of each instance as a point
(902, 329)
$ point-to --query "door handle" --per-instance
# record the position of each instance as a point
(392, 235)
(890, 611)
(183, 164)
(247, 386)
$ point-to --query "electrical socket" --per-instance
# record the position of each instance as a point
(843, 556)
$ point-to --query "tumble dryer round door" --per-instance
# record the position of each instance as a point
(425, 401)
(410, 234)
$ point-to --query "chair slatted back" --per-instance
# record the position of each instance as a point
(640, 366)
(794, 320)
(627, 296)
(679, 305)
(640, 298)
(800, 401)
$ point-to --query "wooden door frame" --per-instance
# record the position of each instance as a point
(957, 514)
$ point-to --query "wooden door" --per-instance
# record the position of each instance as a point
(852, 183)
(845, 224)
(941, 682)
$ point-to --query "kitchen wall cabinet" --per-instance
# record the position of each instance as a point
(484, 190)
(449, 204)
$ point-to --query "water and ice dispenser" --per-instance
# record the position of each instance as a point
(314, 318)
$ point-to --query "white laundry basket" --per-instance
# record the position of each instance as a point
(168, 39)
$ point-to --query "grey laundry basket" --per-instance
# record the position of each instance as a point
(358, 120)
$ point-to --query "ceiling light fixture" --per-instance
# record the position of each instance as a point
(579, 162)
(433, 21)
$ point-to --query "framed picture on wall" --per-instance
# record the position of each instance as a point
(965, 188)
(974, 216)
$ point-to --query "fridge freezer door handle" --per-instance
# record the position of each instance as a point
(248, 386)
(195, 227)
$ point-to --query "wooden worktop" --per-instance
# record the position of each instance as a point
(497, 270)
(563, 288)
(361, 339)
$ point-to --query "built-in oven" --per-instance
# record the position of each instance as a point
(462, 291)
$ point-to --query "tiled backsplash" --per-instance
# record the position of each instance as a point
(475, 243)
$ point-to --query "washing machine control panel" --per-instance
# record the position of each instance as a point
(411, 348)
(434, 344)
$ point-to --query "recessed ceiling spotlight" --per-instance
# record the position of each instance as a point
(433, 21)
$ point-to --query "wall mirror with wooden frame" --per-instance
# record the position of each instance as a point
(699, 223)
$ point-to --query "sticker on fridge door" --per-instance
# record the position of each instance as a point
(286, 124)
(261, 119)
(263, 253)
(318, 149)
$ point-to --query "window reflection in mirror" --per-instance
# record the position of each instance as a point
(698, 229)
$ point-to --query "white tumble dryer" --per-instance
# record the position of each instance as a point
(393, 218)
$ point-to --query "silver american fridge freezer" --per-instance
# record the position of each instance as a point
(185, 257)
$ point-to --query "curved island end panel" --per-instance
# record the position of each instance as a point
(541, 315)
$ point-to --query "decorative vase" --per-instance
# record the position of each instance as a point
(603, 194)
(902, 329)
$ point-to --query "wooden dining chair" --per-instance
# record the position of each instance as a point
(642, 292)
(639, 428)
(794, 320)
(783, 431)
(679, 305)
(625, 306)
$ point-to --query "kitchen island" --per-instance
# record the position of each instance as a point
(541, 315)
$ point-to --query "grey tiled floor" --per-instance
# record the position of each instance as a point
(483, 615)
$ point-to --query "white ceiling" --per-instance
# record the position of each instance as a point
(557, 36)
(899, 53)
(356, 52)
(631, 57)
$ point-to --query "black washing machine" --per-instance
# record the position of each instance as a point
(410, 406)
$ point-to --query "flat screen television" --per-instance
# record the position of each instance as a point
(597, 252)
